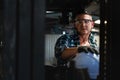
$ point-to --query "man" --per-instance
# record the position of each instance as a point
(69, 46)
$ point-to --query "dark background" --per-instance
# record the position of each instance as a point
(23, 21)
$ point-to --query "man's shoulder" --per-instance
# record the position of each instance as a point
(65, 36)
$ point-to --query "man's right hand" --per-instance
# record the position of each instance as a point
(87, 49)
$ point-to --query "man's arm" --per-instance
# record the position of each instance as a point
(63, 52)
(69, 52)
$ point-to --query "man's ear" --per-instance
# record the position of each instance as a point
(93, 24)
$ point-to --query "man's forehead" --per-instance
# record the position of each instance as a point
(84, 16)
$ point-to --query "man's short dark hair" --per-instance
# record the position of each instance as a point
(79, 11)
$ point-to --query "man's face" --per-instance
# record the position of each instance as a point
(84, 24)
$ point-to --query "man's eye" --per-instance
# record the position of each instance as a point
(86, 21)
